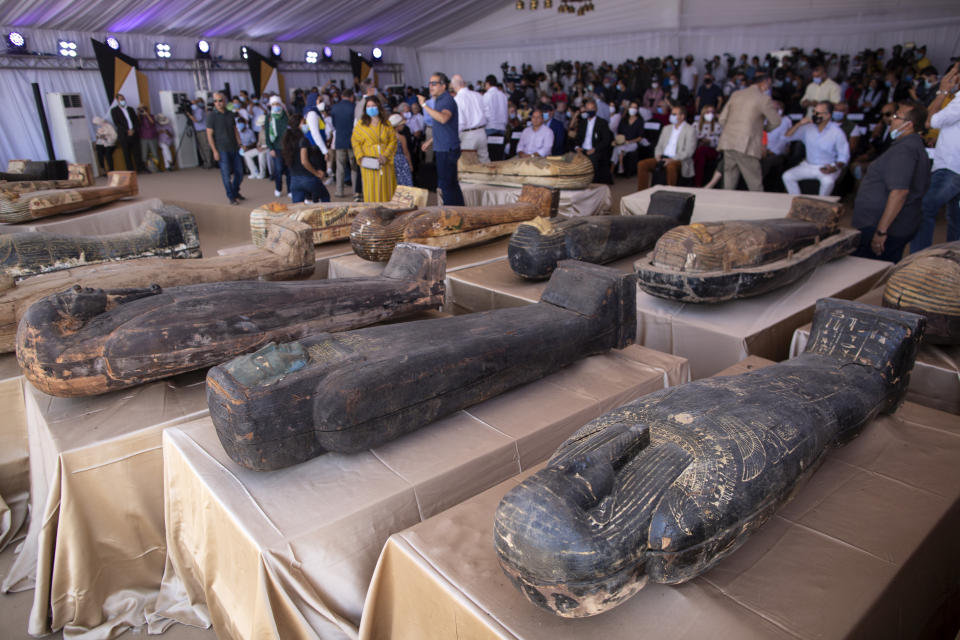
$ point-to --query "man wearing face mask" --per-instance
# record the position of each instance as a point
(593, 137)
(775, 153)
(198, 116)
(224, 139)
(744, 118)
(495, 111)
(887, 210)
(688, 73)
(128, 127)
(674, 151)
(821, 88)
(559, 130)
(709, 94)
(827, 151)
(277, 123)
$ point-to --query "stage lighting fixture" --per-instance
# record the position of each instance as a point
(377, 53)
(163, 50)
(311, 57)
(243, 53)
(68, 49)
(16, 41)
(113, 43)
(203, 50)
(328, 53)
(276, 51)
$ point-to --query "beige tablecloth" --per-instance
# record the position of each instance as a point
(593, 201)
(14, 453)
(935, 379)
(95, 548)
(114, 217)
(715, 336)
(867, 549)
(719, 204)
(289, 554)
(353, 266)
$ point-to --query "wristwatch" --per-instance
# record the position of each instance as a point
(880, 233)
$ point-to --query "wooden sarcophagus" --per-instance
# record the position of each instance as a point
(84, 342)
(719, 261)
(375, 231)
(352, 391)
(569, 171)
(330, 221)
(16, 207)
(168, 231)
(928, 282)
(662, 488)
(288, 254)
(79, 175)
(36, 170)
(537, 246)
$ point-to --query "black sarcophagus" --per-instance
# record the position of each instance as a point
(88, 341)
(662, 488)
(928, 282)
(168, 231)
(356, 390)
(718, 261)
(537, 246)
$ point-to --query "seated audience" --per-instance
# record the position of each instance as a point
(708, 135)
(827, 151)
(536, 141)
(629, 135)
(673, 153)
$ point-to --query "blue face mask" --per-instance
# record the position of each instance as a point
(373, 112)
(894, 134)
(838, 115)
(305, 128)
(276, 109)
(241, 126)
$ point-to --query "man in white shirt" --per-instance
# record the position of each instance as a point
(537, 139)
(945, 179)
(674, 151)
(820, 89)
(827, 150)
(689, 74)
(775, 153)
(471, 121)
(495, 110)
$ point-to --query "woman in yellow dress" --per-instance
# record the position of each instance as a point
(374, 145)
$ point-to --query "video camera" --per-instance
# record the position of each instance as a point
(184, 106)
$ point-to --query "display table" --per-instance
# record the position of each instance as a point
(290, 553)
(114, 217)
(935, 379)
(496, 286)
(353, 266)
(720, 204)
(14, 454)
(324, 253)
(715, 336)
(867, 549)
(592, 201)
(95, 547)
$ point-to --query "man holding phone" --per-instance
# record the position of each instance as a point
(442, 115)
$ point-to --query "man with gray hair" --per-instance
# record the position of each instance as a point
(472, 121)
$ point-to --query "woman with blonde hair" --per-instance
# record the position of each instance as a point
(374, 145)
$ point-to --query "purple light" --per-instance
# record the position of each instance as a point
(113, 43)
(276, 50)
(203, 46)
(16, 39)
(327, 52)
(137, 20)
(377, 53)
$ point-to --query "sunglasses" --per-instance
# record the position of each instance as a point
(433, 82)
(218, 100)
(887, 114)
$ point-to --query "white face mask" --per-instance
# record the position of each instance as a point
(632, 111)
(708, 116)
(674, 118)
(654, 85)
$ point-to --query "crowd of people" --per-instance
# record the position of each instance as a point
(863, 126)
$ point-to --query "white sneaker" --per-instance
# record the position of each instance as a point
(308, 202)
(277, 194)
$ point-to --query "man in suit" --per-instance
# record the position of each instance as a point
(559, 131)
(743, 125)
(592, 136)
(674, 151)
(128, 127)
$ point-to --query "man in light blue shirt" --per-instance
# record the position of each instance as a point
(537, 139)
(827, 150)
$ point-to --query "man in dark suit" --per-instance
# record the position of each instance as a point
(559, 131)
(592, 137)
(128, 127)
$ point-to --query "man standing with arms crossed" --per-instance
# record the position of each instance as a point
(224, 139)
(443, 117)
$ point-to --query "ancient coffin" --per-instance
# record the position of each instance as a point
(662, 488)
(537, 246)
(718, 261)
(79, 175)
(353, 391)
(167, 231)
(375, 231)
(569, 171)
(928, 282)
(15, 207)
(36, 170)
(330, 221)
(83, 342)
(287, 254)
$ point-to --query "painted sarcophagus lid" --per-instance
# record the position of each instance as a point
(928, 282)
(569, 171)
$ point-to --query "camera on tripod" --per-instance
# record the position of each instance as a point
(184, 106)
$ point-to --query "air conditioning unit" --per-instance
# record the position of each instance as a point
(184, 135)
(70, 130)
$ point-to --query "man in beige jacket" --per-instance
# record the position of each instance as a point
(743, 125)
(674, 150)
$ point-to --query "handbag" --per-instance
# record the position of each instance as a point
(369, 162)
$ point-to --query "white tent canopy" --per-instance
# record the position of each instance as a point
(470, 38)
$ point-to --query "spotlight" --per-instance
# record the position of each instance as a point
(68, 49)
(327, 53)
(377, 53)
(113, 43)
(243, 53)
(163, 50)
(203, 50)
(311, 57)
(276, 51)
(16, 41)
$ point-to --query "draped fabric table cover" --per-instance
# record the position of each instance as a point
(867, 549)
(935, 379)
(289, 554)
(94, 551)
(715, 205)
(353, 266)
(14, 453)
(595, 200)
